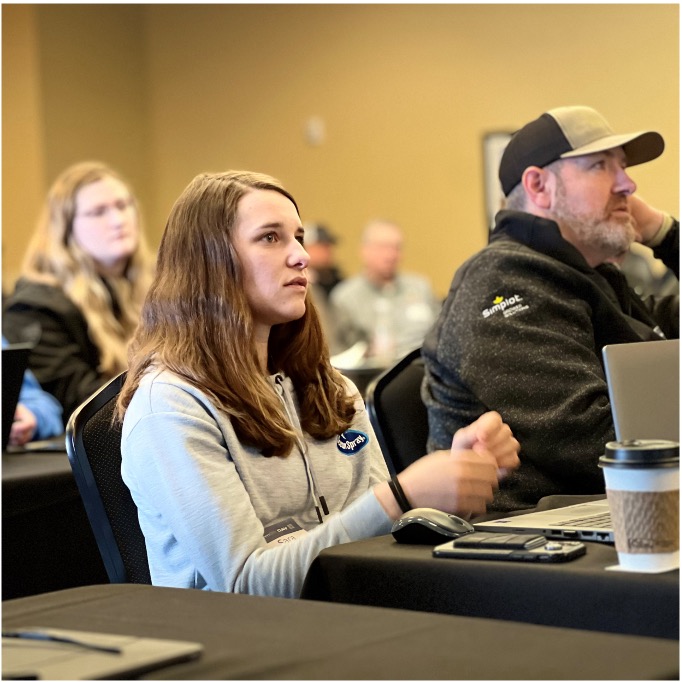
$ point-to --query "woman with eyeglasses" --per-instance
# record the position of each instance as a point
(83, 280)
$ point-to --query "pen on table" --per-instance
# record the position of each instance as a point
(47, 637)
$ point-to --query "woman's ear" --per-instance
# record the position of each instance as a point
(538, 184)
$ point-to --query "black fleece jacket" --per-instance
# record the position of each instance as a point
(521, 332)
(64, 360)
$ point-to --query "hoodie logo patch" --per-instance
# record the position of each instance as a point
(508, 306)
(351, 442)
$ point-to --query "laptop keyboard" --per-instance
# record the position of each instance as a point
(602, 520)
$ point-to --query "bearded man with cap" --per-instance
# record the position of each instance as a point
(526, 318)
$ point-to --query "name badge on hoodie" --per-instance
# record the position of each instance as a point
(351, 442)
(283, 531)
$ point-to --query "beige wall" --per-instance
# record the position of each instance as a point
(74, 87)
(23, 154)
(406, 93)
(94, 86)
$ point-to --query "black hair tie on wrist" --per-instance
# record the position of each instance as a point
(399, 494)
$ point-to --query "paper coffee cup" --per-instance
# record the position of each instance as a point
(643, 490)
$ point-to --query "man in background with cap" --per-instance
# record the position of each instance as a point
(323, 276)
(322, 268)
(523, 326)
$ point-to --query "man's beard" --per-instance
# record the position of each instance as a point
(609, 237)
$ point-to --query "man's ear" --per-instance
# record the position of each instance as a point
(537, 182)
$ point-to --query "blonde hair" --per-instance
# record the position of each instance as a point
(53, 257)
(197, 323)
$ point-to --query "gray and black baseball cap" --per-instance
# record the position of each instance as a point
(317, 233)
(570, 131)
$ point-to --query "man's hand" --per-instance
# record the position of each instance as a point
(647, 220)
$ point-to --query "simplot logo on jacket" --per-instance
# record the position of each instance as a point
(507, 305)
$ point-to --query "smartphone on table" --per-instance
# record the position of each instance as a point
(510, 547)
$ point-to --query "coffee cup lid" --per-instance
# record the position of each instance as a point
(641, 453)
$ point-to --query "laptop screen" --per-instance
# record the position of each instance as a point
(644, 389)
(14, 363)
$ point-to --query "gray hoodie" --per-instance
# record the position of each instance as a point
(218, 515)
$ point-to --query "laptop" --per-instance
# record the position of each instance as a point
(586, 521)
(14, 364)
(643, 382)
(644, 389)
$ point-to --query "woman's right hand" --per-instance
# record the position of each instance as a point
(459, 482)
(463, 480)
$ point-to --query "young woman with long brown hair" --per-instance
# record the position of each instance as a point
(245, 451)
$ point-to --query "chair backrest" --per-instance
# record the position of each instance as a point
(93, 444)
(397, 413)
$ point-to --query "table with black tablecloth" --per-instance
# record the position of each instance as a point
(577, 594)
(47, 543)
(247, 637)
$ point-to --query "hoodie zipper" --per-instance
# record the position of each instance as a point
(318, 500)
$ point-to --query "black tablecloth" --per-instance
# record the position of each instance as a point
(576, 594)
(267, 638)
(47, 543)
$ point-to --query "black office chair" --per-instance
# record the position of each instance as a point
(397, 413)
(93, 444)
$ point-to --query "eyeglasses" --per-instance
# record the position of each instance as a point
(100, 211)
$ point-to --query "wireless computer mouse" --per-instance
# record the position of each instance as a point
(424, 526)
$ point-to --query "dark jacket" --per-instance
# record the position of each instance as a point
(521, 332)
(64, 360)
